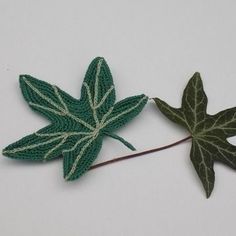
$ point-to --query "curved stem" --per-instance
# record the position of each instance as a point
(139, 154)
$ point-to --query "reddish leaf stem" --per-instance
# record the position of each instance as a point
(138, 154)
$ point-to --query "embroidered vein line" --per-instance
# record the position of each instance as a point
(124, 112)
(74, 166)
(96, 81)
(77, 143)
(60, 98)
(61, 133)
(91, 104)
(55, 105)
(56, 147)
(46, 108)
(32, 146)
(106, 115)
(49, 100)
(93, 107)
(105, 97)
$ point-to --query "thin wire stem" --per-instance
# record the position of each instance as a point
(139, 154)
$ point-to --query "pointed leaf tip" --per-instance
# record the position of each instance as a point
(196, 78)
(98, 58)
(24, 76)
(208, 195)
(197, 74)
(22, 79)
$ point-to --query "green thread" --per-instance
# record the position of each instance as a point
(77, 126)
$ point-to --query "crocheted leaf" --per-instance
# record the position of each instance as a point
(209, 132)
(77, 126)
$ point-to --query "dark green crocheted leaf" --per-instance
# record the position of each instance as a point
(209, 132)
(78, 126)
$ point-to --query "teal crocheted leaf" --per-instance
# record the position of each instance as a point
(209, 132)
(78, 126)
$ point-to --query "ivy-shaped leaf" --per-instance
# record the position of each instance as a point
(209, 132)
(77, 126)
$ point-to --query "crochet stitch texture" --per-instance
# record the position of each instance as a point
(78, 126)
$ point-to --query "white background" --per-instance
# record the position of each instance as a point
(152, 47)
